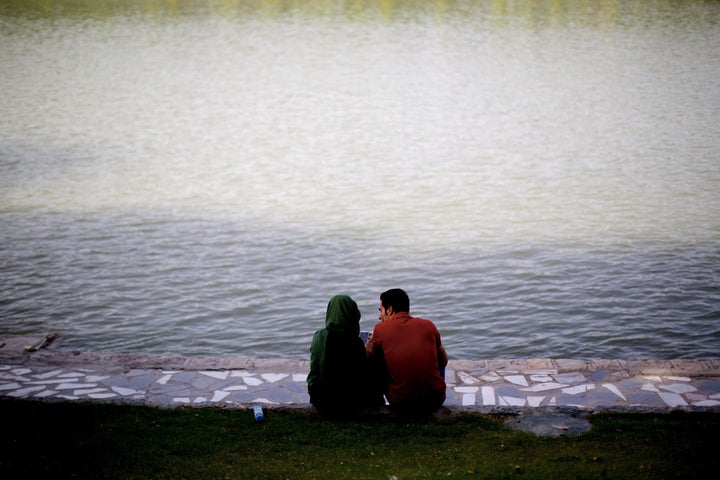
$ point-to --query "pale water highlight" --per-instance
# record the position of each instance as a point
(200, 179)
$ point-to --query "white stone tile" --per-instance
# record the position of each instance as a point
(24, 392)
(181, 400)
(234, 388)
(715, 395)
(5, 367)
(488, 377)
(649, 387)
(614, 390)
(164, 379)
(517, 380)
(124, 391)
(653, 378)
(9, 386)
(89, 391)
(71, 375)
(71, 386)
(219, 374)
(467, 379)
(541, 378)
(96, 378)
(200, 400)
(467, 389)
(219, 395)
(52, 381)
(468, 399)
(706, 403)
(678, 388)
(274, 377)
(21, 371)
(69, 397)
(553, 401)
(672, 399)
(241, 373)
(102, 396)
(535, 401)
(574, 390)
(45, 393)
(578, 389)
(264, 400)
(299, 377)
(488, 395)
(511, 401)
(252, 381)
(542, 387)
(679, 379)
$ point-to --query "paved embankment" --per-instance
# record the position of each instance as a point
(483, 385)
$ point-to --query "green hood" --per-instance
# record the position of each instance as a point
(343, 318)
(343, 315)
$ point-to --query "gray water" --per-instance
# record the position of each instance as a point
(199, 178)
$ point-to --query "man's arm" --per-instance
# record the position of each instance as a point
(370, 348)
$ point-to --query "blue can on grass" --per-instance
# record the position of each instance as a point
(258, 412)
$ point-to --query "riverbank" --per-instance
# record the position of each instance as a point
(236, 382)
(89, 415)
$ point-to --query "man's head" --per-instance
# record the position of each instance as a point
(393, 301)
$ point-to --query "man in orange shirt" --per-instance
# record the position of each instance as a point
(411, 353)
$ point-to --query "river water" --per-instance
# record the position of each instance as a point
(200, 177)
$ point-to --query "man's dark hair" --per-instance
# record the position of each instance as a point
(397, 299)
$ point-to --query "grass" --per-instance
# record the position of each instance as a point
(96, 440)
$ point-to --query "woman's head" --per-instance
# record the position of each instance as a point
(343, 315)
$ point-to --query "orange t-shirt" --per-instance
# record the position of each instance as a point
(410, 347)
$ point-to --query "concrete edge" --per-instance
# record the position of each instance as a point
(615, 368)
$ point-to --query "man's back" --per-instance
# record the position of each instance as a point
(410, 347)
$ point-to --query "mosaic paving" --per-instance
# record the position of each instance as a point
(468, 389)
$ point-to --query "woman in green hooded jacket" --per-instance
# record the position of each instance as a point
(338, 379)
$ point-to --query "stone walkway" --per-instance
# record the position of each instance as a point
(485, 385)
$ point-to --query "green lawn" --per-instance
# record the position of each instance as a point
(89, 440)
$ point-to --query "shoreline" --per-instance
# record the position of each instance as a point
(13, 351)
(238, 382)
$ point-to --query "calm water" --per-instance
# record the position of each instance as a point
(201, 177)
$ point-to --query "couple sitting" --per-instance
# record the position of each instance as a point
(403, 359)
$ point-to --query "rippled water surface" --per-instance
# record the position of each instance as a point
(201, 177)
